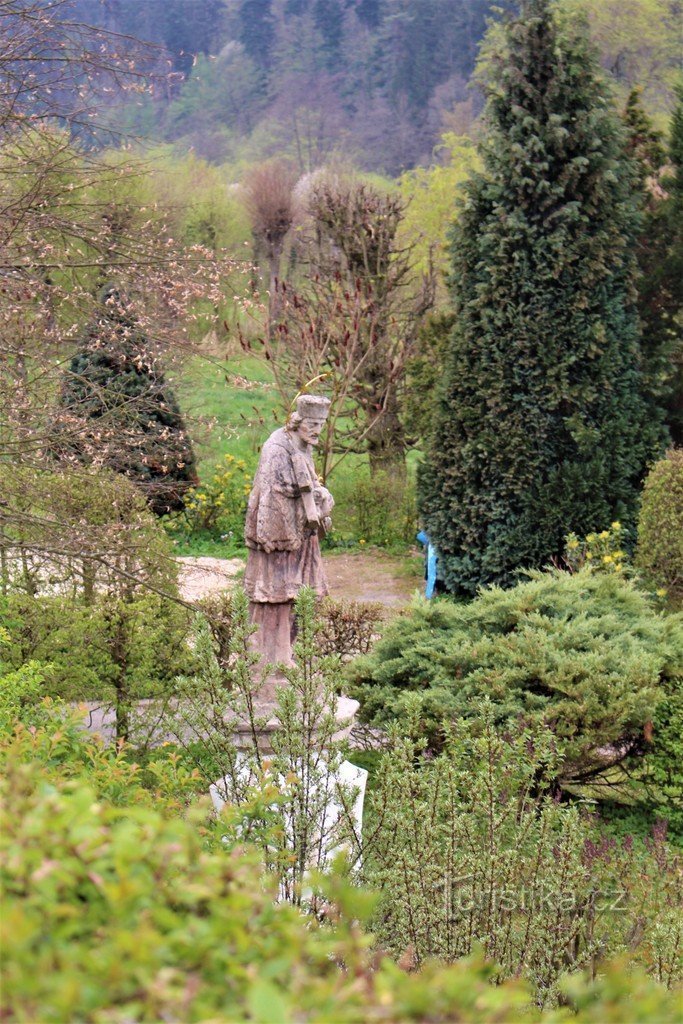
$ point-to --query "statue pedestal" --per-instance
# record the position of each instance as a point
(345, 714)
(338, 792)
(149, 723)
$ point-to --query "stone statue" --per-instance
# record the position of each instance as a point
(288, 511)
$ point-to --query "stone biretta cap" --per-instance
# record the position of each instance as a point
(312, 407)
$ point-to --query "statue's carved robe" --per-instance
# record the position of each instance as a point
(284, 551)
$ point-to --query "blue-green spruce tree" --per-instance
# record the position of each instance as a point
(542, 428)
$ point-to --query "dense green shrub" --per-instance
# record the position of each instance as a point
(585, 653)
(662, 770)
(78, 532)
(660, 258)
(659, 555)
(470, 847)
(117, 908)
(543, 427)
(93, 651)
(424, 376)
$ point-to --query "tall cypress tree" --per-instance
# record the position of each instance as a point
(542, 427)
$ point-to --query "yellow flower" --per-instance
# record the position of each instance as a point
(572, 543)
(661, 592)
(361, 541)
(588, 556)
(619, 554)
(607, 559)
(604, 535)
(616, 525)
(590, 538)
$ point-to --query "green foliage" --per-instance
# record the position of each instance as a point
(659, 553)
(639, 44)
(472, 848)
(96, 651)
(281, 785)
(584, 653)
(377, 509)
(424, 376)
(431, 192)
(89, 589)
(662, 770)
(20, 688)
(77, 532)
(542, 427)
(118, 903)
(216, 508)
(219, 92)
(660, 260)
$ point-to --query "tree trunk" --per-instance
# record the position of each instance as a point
(386, 440)
(88, 574)
(119, 651)
(274, 296)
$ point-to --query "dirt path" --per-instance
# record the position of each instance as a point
(371, 576)
(356, 576)
(202, 576)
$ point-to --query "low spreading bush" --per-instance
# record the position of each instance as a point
(584, 653)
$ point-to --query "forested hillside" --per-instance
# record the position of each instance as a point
(377, 77)
(379, 80)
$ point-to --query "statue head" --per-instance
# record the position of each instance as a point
(309, 419)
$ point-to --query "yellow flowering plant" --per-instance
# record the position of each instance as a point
(603, 551)
(218, 505)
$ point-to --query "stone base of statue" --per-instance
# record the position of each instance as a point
(273, 640)
(245, 737)
(337, 791)
(152, 723)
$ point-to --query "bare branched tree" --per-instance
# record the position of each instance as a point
(270, 201)
(351, 325)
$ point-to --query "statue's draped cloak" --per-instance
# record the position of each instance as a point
(284, 552)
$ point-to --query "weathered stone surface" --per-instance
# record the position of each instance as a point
(288, 510)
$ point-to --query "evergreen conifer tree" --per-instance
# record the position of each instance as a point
(116, 410)
(542, 427)
(660, 260)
